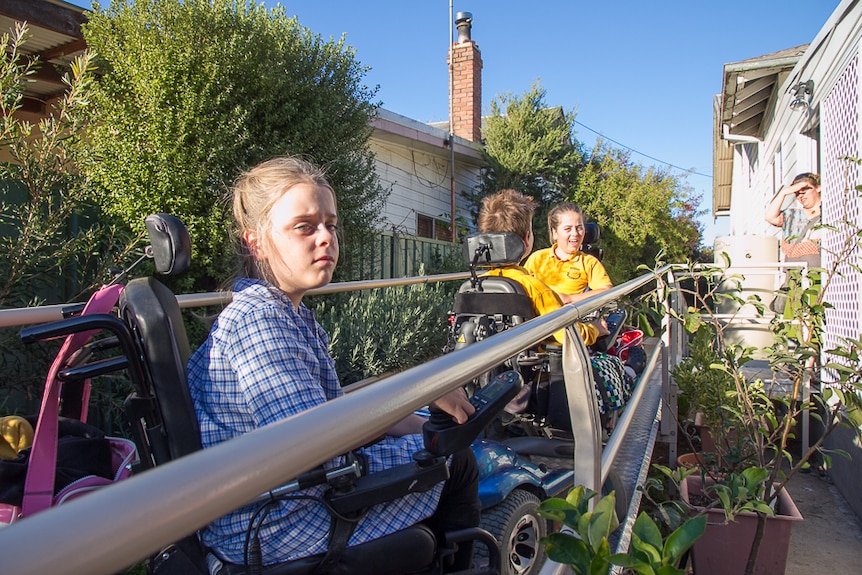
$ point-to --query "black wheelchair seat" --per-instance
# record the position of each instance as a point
(165, 427)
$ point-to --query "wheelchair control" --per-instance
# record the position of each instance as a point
(616, 321)
(443, 436)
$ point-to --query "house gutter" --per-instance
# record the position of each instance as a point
(737, 139)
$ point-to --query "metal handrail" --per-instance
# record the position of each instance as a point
(125, 522)
(46, 313)
(42, 314)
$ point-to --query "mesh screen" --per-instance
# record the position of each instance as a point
(840, 206)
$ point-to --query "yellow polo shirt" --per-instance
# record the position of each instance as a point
(570, 276)
(545, 300)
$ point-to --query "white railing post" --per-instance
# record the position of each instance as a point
(670, 356)
(584, 413)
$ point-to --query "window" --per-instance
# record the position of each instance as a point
(434, 228)
(424, 226)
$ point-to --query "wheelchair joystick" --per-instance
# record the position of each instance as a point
(444, 436)
(615, 322)
(424, 458)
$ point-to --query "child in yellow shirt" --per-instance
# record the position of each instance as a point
(563, 266)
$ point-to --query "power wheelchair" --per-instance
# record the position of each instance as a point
(147, 339)
(487, 304)
(527, 453)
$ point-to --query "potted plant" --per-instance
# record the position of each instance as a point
(702, 391)
(753, 461)
(732, 526)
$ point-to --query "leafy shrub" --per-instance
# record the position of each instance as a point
(54, 247)
(193, 92)
(383, 330)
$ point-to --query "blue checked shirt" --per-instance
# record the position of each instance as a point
(264, 361)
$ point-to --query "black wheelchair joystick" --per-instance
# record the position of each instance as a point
(444, 436)
(615, 322)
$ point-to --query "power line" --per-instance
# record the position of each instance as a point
(641, 153)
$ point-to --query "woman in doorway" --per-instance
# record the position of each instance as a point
(800, 240)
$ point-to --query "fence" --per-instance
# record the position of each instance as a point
(393, 255)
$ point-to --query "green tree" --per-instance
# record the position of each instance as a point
(532, 147)
(192, 92)
(50, 243)
(641, 211)
(53, 248)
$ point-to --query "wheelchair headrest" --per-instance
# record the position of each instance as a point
(170, 244)
(496, 248)
(591, 233)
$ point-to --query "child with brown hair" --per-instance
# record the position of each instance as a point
(568, 270)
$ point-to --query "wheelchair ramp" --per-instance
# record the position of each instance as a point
(633, 459)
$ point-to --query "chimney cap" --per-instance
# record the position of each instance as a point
(463, 17)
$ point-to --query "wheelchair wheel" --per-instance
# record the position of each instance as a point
(516, 524)
(615, 484)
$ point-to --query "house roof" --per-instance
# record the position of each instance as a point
(743, 111)
(750, 91)
(54, 36)
(392, 127)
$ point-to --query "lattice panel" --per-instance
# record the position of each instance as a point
(840, 137)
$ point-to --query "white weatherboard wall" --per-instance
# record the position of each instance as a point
(799, 141)
(795, 140)
(413, 161)
(419, 183)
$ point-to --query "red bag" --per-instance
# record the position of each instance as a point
(628, 338)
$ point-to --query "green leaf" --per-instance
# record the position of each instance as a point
(579, 497)
(761, 507)
(603, 520)
(647, 531)
(560, 510)
(645, 551)
(755, 475)
(683, 538)
(599, 565)
(568, 550)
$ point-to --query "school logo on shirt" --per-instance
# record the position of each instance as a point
(575, 274)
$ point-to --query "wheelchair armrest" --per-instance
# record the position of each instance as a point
(75, 324)
(91, 370)
(391, 483)
(94, 322)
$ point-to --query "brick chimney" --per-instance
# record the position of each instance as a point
(466, 81)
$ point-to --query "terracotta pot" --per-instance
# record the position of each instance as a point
(707, 444)
(723, 549)
(691, 460)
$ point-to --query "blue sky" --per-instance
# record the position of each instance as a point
(642, 74)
